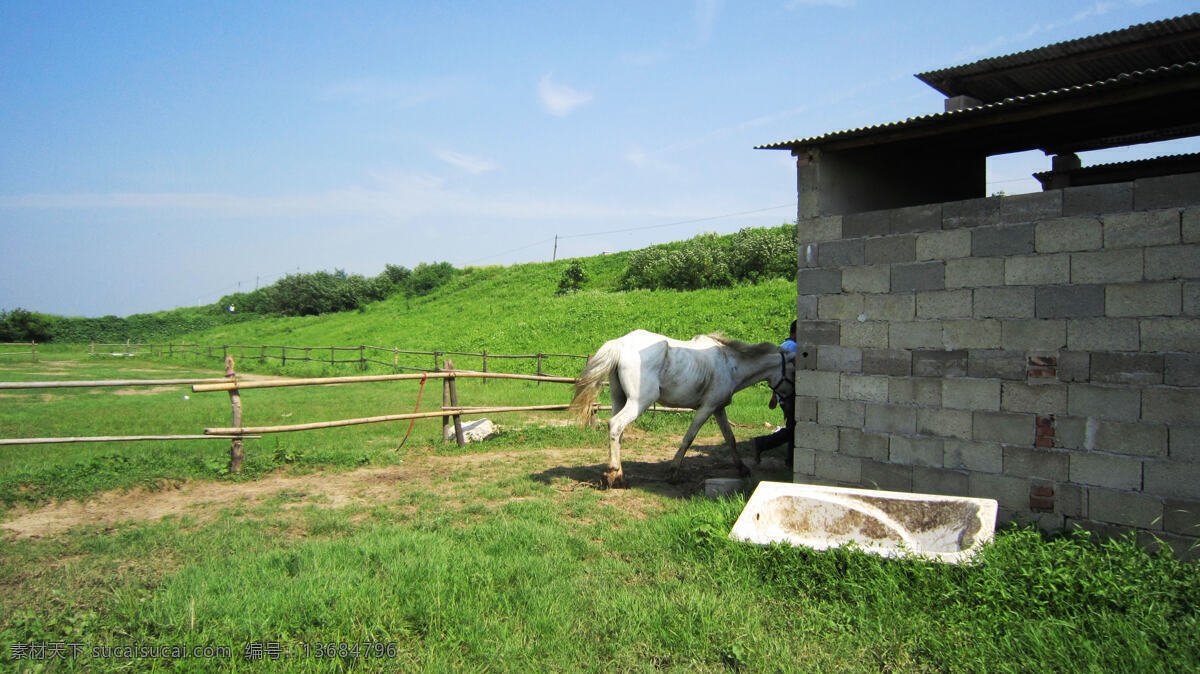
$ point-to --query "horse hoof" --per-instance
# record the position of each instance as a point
(615, 480)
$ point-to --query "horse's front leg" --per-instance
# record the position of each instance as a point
(727, 431)
(702, 415)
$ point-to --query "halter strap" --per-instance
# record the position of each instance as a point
(782, 375)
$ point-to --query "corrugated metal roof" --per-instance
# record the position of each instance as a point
(1133, 163)
(1087, 59)
(1121, 80)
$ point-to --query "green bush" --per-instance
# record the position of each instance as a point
(711, 261)
(572, 279)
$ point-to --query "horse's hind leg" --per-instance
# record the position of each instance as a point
(727, 431)
(698, 421)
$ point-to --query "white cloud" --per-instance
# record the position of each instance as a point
(559, 99)
(465, 162)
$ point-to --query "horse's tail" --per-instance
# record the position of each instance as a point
(583, 405)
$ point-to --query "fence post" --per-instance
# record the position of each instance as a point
(539, 363)
(436, 356)
(331, 356)
(362, 357)
(485, 364)
(235, 400)
(34, 345)
(396, 357)
(458, 431)
(282, 356)
(262, 354)
(445, 402)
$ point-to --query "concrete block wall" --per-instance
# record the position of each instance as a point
(1041, 349)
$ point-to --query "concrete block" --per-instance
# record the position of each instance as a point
(844, 253)
(1074, 365)
(1166, 191)
(1031, 207)
(886, 476)
(971, 213)
(839, 359)
(1182, 369)
(854, 442)
(915, 451)
(971, 394)
(890, 419)
(1144, 299)
(1068, 234)
(1131, 510)
(846, 413)
(1107, 266)
(1104, 470)
(971, 334)
(944, 245)
(1075, 432)
(1172, 479)
(1170, 334)
(1097, 199)
(1040, 399)
(1145, 228)
(891, 362)
(1035, 335)
(924, 218)
(818, 384)
(939, 481)
(1181, 517)
(806, 307)
(806, 408)
(915, 335)
(996, 364)
(918, 391)
(918, 276)
(818, 281)
(1191, 225)
(1062, 498)
(871, 223)
(944, 423)
(1140, 369)
(818, 332)
(1002, 240)
(840, 307)
(1003, 427)
(838, 468)
(1184, 444)
(1004, 302)
(1141, 439)
(889, 307)
(944, 304)
(1103, 334)
(870, 334)
(1045, 464)
(1172, 262)
(816, 437)
(1171, 405)
(1010, 492)
(1069, 301)
(940, 363)
(864, 387)
(891, 249)
(867, 279)
(822, 228)
(986, 457)
(805, 357)
(1191, 298)
(1117, 404)
(1033, 270)
(970, 272)
(803, 463)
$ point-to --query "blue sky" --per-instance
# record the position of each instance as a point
(161, 154)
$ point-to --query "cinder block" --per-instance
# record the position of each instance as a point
(818, 281)
(915, 451)
(839, 358)
(1104, 470)
(1118, 404)
(939, 481)
(918, 276)
(818, 332)
(1145, 228)
(971, 212)
(822, 228)
(870, 334)
(891, 362)
(848, 413)
(1166, 191)
(1170, 334)
(1141, 369)
(971, 334)
(944, 423)
(915, 335)
(1004, 302)
(889, 307)
(1035, 335)
(816, 437)
(871, 223)
(840, 307)
(891, 249)
(1068, 234)
(806, 307)
(838, 468)
(1144, 299)
(1171, 405)
(886, 476)
(1040, 399)
(970, 272)
(806, 408)
(944, 304)
(1172, 479)
(1191, 225)
(1184, 444)
(1002, 240)
(1031, 207)
(987, 457)
(944, 245)
(1103, 334)
(874, 278)
(971, 394)
(940, 363)
(1075, 432)
(1074, 365)
(924, 218)
(803, 464)
(1003, 427)
(1097, 199)
(1044, 464)
(1181, 517)
(1142, 439)
(1172, 262)
(1033, 270)
(1182, 369)
(996, 364)
(1132, 510)
(890, 419)
(1069, 301)
(1191, 298)
(805, 357)
(864, 387)
(919, 391)
(1107, 266)
(844, 253)
(1011, 493)
(818, 384)
(854, 442)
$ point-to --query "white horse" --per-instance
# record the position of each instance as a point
(702, 374)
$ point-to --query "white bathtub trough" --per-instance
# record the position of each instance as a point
(887, 523)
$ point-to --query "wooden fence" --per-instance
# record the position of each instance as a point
(32, 346)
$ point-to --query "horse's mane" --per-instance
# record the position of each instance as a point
(743, 348)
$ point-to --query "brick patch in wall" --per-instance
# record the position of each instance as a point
(1041, 497)
(1044, 435)
(1043, 367)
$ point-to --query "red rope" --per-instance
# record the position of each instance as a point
(413, 421)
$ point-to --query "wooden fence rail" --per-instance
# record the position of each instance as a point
(32, 346)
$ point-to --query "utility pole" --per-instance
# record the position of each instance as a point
(555, 255)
